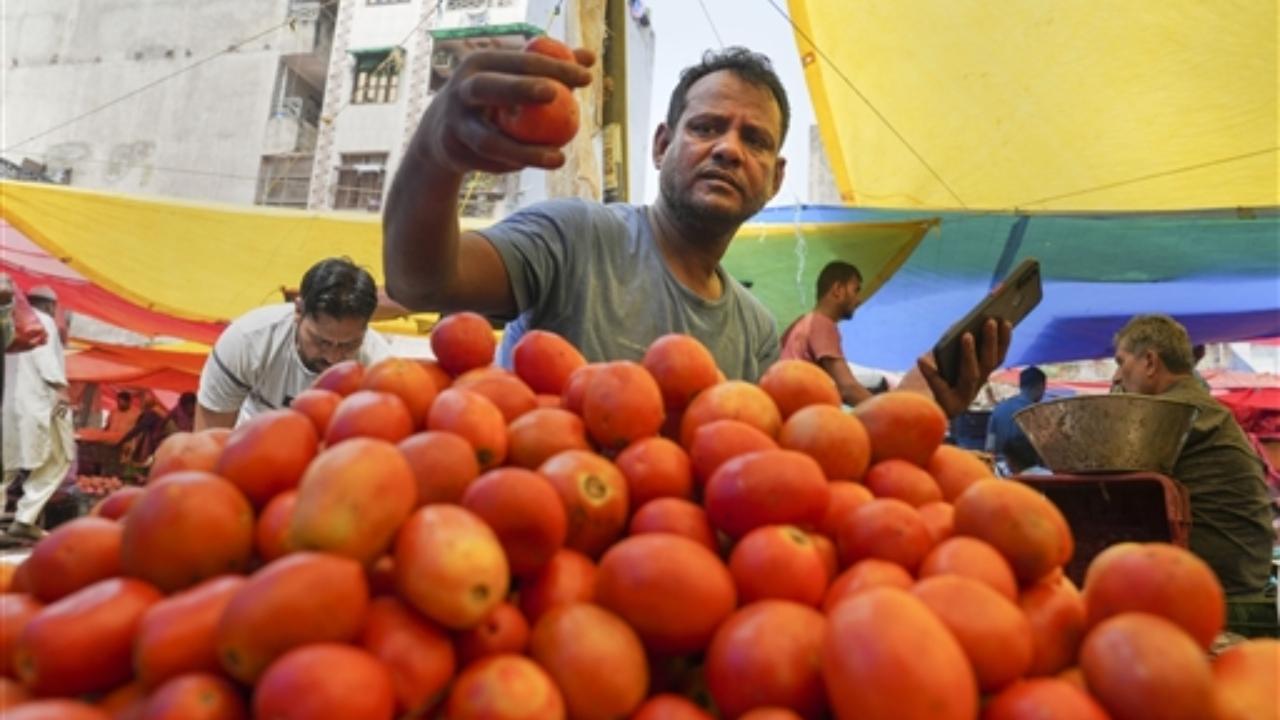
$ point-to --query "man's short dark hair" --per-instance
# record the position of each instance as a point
(1031, 377)
(340, 289)
(751, 67)
(836, 272)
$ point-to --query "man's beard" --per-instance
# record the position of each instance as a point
(313, 365)
(707, 222)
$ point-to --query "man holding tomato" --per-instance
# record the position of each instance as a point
(609, 278)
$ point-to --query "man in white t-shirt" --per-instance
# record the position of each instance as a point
(268, 355)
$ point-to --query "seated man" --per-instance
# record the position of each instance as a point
(268, 355)
(1001, 428)
(1230, 511)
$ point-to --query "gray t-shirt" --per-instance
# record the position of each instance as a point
(593, 274)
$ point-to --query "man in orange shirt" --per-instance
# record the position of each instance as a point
(125, 415)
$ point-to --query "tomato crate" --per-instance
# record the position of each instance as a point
(1105, 509)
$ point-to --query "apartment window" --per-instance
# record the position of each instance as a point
(377, 77)
(284, 180)
(466, 4)
(360, 180)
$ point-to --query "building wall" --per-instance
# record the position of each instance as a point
(195, 135)
(822, 182)
(365, 128)
(203, 133)
(640, 54)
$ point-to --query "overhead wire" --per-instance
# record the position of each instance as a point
(714, 30)
(1149, 176)
(870, 105)
(1038, 201)
(158, 81)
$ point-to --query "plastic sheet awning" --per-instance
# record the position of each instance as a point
(134, 367)
(1218, 272)
(1038, 105)
(183, 269)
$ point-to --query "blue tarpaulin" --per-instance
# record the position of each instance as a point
(1217, 271)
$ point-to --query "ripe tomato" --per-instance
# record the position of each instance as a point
(463, 341)
(886, 656)
(325, 680)
(569, 577)
(545, 360)
(417, 652)
(673, 591)
(552, 123)
(778, 562)
(504, 631)
(595, 658)
(505, 687)
(768, 654)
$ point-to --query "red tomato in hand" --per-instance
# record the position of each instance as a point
(551, 123)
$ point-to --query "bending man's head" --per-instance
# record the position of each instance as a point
(333, 308)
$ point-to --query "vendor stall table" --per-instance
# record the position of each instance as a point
(96, 451)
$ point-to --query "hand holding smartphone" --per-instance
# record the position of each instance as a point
(1010, 301)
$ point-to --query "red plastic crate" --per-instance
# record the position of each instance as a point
(1103, 510)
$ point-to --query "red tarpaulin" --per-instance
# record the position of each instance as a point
(1220, 381)
(1256, 409)
(135, 367)
(30, 265)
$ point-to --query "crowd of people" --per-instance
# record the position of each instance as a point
(39, 441)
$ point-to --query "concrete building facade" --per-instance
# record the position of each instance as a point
(822, 182)
(289, 103)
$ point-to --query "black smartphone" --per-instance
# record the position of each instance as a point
(1011, 300)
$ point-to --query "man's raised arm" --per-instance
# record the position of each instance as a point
(428, 262)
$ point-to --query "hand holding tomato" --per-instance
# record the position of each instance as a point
(494, 113)
(550, 123)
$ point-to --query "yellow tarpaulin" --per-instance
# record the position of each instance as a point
(1087, 104)
(214, 262)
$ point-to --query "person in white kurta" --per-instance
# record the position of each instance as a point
(38, 433)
